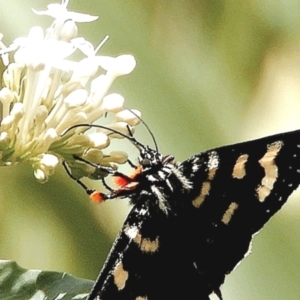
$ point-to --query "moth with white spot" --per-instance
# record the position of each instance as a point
(193, 222)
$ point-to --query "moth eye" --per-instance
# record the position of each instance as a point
(146, 163)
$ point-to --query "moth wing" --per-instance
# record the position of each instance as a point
(236, 189)
(148, 261)
(187, 253)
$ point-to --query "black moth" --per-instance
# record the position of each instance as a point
(192, 222)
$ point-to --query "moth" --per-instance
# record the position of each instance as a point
(191, 223)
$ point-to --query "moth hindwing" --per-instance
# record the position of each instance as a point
(191, 223)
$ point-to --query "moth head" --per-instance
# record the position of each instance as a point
(150, 159)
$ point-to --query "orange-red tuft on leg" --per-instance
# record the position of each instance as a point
(121, 181)
(97, 197)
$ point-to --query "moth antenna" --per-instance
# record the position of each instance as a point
(130, 138)
(147, 127)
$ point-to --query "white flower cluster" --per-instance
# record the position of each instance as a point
(45, 92)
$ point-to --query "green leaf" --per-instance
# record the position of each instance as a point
(17, 283)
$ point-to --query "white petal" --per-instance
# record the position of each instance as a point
(84, 46)
(98, 140)
(120, 127)
(59, 11)
(6, 123)
(39, 175)
(99, 88)
(50, 135)
(3, 136)
(41, 114)
(125, 64)
(36, 34)
(76, 98)
(112, 102)
(119, 157)
(82, 18)
(81, 140)
(85, 68)
(49, 160)
(5, 59)
(70, 119)
(58, 49)
(6, 97)
(4, 139)
(121, 65)
(68, 31)
(17, 110)
(35, 50)
(93, 155)
(131, 117)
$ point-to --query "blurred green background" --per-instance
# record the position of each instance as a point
(208, 73)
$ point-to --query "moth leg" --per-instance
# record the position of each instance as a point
(109, 170)
(131, 164)
(94, 194)
(106, 185)
(87, 190)
(100, 197)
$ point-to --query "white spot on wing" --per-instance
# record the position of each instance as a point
(213, 160)
(203, 193)
(145, 244)
(120, 276)
(212, 164)
(271, 170)
(229, 213)
(143, 211)
(239, 170)
(196, 164)
(131, 231)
